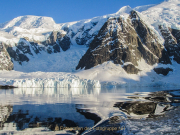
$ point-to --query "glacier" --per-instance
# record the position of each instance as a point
(63, 81)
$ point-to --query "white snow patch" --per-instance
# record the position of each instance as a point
(109, 74)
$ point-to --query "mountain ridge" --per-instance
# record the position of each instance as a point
(124, 41)
(36, 35)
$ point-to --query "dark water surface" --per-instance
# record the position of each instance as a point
(76, 110)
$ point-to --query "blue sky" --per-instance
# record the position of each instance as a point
(65, 10)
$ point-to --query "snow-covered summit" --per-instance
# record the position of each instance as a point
(143, 8)
(33, 27)
(29, 22)
(165, 13)
(125, 9)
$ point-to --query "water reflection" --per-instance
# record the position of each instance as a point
(51, 109)
(151, 104)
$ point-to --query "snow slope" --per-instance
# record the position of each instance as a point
(56, 62)
(166, 13)
(111, 74)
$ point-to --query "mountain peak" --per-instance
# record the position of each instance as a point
(30, 21)
(125, 9)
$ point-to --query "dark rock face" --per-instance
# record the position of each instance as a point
(131, 69)
(52, 39)
(5, 59)
(85, 37)
(111, 44)
(176, 34)
(138, 108)
(153, 52)
(51, 43)
(124, 41)
(172, 42)
(57, 40)
(163, 71)
(82, 36)
(17, 55)
(56, 48)
(35, 47)
(64, 43)
(23, 47)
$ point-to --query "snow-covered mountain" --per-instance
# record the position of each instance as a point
(146, 33)
(125, 42)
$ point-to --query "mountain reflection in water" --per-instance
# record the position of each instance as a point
(61, 110)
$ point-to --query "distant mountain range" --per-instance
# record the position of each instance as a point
(152, 33)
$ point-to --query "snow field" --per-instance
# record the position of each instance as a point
(113, 75)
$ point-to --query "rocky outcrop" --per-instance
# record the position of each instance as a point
(51, 43)
(131, 69)
(172, 42)
(122, 41)
(57, 40)
(5, 59)
(35, 47)
(163, 71)
(137, 108)
(18, 52)
(150, 47)
(85, 33)
(84, 36)
(64, 42)
(51, 39)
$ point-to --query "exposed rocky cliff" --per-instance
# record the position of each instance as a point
(125, 41)
(172, 42)
(5, 59)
